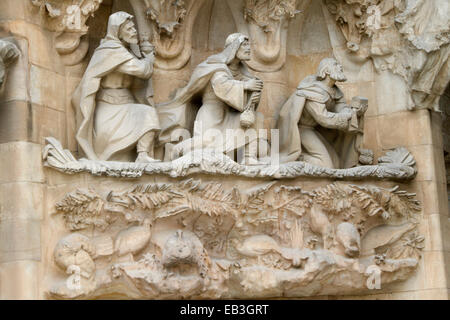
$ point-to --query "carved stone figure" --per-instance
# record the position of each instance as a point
(114, 114)
(185, 248)
(8, 53)
(133, 239)
(318, 125)
(409, 38)
(229, 95)
(74, 255)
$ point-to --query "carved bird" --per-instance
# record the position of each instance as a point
(133, 239)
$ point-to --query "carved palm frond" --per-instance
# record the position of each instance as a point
(334, 198)
(148, 197)
(372, 200)
(83, 208)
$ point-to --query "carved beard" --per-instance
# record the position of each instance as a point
(338, 76)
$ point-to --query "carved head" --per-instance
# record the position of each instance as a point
(332, 68)
(121, 27)
(244, 52)
(128, 33)
(240, 44)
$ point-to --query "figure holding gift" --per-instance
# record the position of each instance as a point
(316, 124)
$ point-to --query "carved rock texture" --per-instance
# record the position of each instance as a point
(206, 241)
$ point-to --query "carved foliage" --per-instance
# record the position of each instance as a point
(267, 14)
(282, 229)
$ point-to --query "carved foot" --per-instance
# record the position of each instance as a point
(145, 158)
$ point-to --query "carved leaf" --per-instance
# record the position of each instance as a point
(83, 208)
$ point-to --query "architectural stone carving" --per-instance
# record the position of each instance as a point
(265, 21)
(108, 192)
(270, 240)
(398, 164)
(317, 125)
(408, 37)
(68, 19)
(8, 54)
(112, 119)
(230, 96)
(168, 24)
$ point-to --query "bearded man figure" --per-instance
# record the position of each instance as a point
(116, 116)
(218, 106)
(316, 124)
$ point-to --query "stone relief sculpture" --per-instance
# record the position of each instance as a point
(68, 18)
(203, 240)
(408, 37)
(316, 123)
(116, 116)
(168, 24)
(210, 237)
(265, 21)
(230, 95)
(8, 54)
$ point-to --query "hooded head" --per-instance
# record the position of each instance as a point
(331, 67)
(236, 45)
(121, 28)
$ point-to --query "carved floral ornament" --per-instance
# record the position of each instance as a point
(195, 239)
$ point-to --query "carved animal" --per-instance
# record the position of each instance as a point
(383, 235)
(75, 251)
(258, 245)
(348, 236)
(133, 240)
(185, 248)
(321, 225)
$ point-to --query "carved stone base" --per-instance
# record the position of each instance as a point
(398, 164)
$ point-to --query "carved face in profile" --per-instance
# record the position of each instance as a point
(128, 33)
(244, 52)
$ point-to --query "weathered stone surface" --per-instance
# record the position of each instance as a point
(204, 224)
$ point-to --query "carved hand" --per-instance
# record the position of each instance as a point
(253, 85)
(147, 48)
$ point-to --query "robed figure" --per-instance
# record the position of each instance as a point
(116, 117)
(217, 105)
(316, 124)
